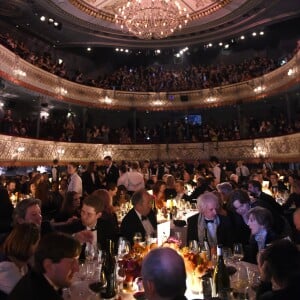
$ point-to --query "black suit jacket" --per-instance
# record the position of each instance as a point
(87, 183)
(132, 223)
(225, 232)
(112, 175)
(107, 229)
(34, 286)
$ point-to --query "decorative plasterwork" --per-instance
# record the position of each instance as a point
(24, 74)
(21, 151)
(107, 9)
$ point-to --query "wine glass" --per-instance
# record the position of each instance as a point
(123, 247)
(137, 238)
(238, 252)
(193, 246)
(227, 255)
(90, 252)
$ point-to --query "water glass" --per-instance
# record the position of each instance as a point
(238, 252)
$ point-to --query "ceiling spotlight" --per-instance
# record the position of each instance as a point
(220, 44)
(89, 49)
(253, 33)
(50, 20)
(242, 37)
(261, 33)
(43, 18)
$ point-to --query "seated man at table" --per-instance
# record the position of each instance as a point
(140, 218)
(56, 261)
(164, 275)
(90, 221)
(217, 229)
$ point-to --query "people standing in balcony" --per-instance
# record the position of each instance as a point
(75, 182)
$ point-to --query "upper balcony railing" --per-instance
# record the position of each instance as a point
(20, 72)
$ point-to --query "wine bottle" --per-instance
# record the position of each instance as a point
(221, 281)
(206, 245)
(109, 268)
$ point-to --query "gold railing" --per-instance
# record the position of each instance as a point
(23, 151)
(22, 73)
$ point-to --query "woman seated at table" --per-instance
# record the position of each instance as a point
(18, 248)
(260, 223)
(294, 197)
(70, 209)
(279, 266)
(159, 194)
(121, 197)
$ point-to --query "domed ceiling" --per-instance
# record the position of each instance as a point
(92, 22)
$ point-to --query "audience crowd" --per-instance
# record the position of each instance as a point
(168, 131)
(92, 204)
(155, 78)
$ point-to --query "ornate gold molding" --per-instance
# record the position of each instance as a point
(22, 73)
(22, 151)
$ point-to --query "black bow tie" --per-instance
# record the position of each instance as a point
(144, 218)
(209, 221)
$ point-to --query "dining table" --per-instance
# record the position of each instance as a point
(243, 281)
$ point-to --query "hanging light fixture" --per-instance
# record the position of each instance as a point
(152, 19)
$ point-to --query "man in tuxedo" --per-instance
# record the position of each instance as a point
(140, 218)
(75, 184)
(55, 172)
(111, 171)
(217, 229)
(56, 262)
(90, 179)
(90, 221)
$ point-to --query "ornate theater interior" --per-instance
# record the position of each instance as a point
(189, 80)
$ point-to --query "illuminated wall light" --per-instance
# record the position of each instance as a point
(1, 104)
(158, 103)
(157, 51)
(211, 99)
(126, 50)
(21, 149)
(259, 89)
(254, 34)
(220, 44)
(242, 37)
(117, 49)
(210, 45)
(226, 46)
(56, 24)
(60, 61)
(19, 72)
(290, 72)
(44, 114)
(122, 50)
(43, 18)
(50, 20)
(261, 33)
(89, 49)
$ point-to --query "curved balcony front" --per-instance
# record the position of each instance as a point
(22, 73)
(18, 151)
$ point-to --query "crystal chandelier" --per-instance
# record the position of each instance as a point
(152, 19)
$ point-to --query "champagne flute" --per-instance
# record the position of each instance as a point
(238, 252)
(193, 246)
(90, 252)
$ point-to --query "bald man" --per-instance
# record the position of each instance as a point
(164, 275)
